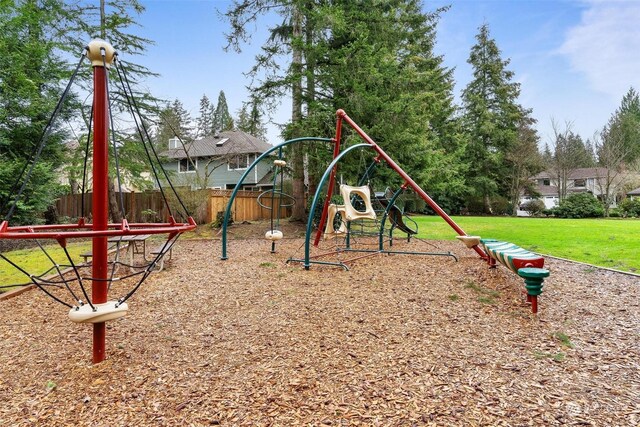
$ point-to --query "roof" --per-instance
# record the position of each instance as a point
(635, 192)
(547, 190)
(552, 190)
(224, 144)
(580, 173)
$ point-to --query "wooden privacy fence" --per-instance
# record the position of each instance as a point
(204, 205)
(245, 206)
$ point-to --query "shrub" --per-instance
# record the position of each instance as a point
(615, 213)
(533, 207)
(499, 205)
(630, 208)
(580, 205)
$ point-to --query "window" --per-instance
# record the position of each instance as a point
(174, 143)
(546, 182)
(188, 166)
(238, 162)
(221, 142)
(579, 183)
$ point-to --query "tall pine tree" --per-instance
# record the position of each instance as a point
(250, 120)
(204, 122)
(373, 59)
(222, 120)
(175, 122)
(491, 118)
(31, 75)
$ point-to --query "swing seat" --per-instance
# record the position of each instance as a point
(103, 312)
(352, 213)
(273, 235)
(329, 230)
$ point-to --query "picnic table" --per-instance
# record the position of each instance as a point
(134, 245)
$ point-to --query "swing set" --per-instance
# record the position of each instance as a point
(342, 221)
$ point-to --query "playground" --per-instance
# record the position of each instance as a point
(353, 320)
(396, 340)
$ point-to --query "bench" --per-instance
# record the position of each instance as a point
(89, 254)
(524, 263)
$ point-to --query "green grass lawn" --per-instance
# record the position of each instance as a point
(36, 262)
(612, 243)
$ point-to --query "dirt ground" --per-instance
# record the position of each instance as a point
(398, 340)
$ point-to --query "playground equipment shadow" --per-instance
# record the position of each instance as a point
(397, 340)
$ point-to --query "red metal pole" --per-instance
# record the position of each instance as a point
(101, 54)
(100, 210)
(410, 182)
(332, 183)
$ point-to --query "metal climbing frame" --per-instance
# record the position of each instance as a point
(382, 156)
(227, 212)
(330, 174)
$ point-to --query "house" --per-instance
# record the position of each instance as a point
(581, 180)
(634, 194)
(70, 173)
(218, 162)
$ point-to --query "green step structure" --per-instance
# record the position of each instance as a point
(524, 263)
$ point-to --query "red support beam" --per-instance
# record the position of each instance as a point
(332, 183)
(342, 116)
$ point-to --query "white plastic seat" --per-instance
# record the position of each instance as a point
(103, 313)
(329, 230)
(273, 235)
(352, 213)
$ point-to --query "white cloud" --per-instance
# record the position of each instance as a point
(604, 46)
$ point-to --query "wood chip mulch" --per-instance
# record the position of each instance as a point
(398, 340)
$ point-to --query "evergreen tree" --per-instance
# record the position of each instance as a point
(374, 60)
(618, 148)
(175, 122)
(31, 76)
(112, 20)
(250, 120)
(222, 120)
(623, 128)
(491, 115)
(204, 122)
(547, 156)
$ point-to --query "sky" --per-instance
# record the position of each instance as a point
(574, 59)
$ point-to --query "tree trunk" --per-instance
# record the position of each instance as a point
(114, 208)
(314, 173)
(298, 211)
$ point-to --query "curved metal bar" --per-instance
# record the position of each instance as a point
(227, 212)
(324, 178)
